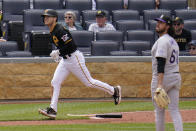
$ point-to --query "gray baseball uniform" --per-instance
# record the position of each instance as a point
(166, 47)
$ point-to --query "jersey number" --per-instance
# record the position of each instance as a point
(174, 57)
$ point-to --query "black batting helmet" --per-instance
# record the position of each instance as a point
(50, 12)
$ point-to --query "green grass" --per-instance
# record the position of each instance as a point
(29, 111)
(12, 112)
(97, 127)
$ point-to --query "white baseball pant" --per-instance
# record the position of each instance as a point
(171, 83)
(76, 65)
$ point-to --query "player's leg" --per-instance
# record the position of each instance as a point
(160, 119)
(159, 113)
(80, 70)
(173, 93)
(60, 74)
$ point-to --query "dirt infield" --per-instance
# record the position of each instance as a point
(188, 116)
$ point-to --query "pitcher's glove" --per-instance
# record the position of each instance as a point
(161, 98)
(55, 55)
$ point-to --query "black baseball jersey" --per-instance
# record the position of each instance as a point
(183, 39)
(62, 39)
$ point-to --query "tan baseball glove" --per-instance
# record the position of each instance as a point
(161, 98)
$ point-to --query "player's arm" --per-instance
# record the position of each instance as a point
(160, 69)
(90, 28)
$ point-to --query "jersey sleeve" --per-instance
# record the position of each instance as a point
(65, 36)
(161, 49)
(112, 27)
(91, 27)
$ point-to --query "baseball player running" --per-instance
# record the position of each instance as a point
(165, 73)
(72, 60)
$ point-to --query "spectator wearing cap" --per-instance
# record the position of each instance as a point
(101, 23)
(192, 47)
(181, 35)
(70, 21)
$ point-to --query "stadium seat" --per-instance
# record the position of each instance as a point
(12, 11)
(1, 4)
(103, 48)
(61, 15)
(1, 55)
(184, 53)
(47, 4)
(33, 23)
(173, 5)
(193, 34)
(152, 14)
(144, 35)
(146, 53)
(110, 35)
(190, 24)
(125, 15)
(87, 24)
(124, 25)
(8, 46)
(138, 46)
(151, 25)
(90, 15)
(83, 40)
(141, 5)
(10, 49)
(33, 20)
(186, 14)
(109, 5)
(79, 5)
(124, 53)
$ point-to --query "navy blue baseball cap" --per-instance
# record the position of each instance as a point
(100, 13)
(165, 19)
(193, 43)
(178, 20)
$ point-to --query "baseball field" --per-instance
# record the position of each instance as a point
(137, 116)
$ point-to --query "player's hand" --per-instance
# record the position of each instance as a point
(55, 55)
(161, 98)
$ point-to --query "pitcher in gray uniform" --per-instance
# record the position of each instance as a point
(165, 72)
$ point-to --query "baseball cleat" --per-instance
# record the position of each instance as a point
(49, 112)
(117, 95)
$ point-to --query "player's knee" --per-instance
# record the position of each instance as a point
(55, 83)
(90, 83)
(173, 108)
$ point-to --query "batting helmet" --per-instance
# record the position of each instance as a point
(50, 12)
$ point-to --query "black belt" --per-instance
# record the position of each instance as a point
(176, 72)
(65, 57)
(69, 54)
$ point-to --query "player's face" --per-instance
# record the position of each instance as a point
(101, 21)
(192, 50)
(161, 27)
(49, 20)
